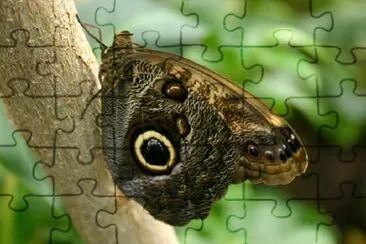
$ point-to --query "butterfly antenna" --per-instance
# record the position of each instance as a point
(89, 102)
(102, 45)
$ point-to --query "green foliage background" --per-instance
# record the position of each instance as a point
(36, 221)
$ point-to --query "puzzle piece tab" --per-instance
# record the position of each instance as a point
(342, 20)
(205, 27)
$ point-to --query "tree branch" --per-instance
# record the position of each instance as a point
(47, 74)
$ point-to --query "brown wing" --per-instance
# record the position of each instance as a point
(281, 153)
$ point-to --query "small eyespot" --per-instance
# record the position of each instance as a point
(287, 151)
(183, 126)
(292, 145)
(269, 155)
(282, 154)
(253, 151)
(154, 151)
(295, 140)
(175, 90)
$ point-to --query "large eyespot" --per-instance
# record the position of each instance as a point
(253, 151)
(154, 151)
(174, 89)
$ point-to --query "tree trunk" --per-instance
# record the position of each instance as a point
(47, 74)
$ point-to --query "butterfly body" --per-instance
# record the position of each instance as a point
(176, 135)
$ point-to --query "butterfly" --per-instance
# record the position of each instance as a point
(176, 134)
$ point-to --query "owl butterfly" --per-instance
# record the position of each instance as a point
(176, 134)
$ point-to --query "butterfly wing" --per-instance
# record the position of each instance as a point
(271, 151)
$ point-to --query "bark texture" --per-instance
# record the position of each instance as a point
(47, 74)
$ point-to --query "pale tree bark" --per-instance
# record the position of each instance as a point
(47, 74)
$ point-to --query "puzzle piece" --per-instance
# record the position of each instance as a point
(354, 23)
(87, 195)
(333, 83)
(289, 229)
(348, 127)
(51, 223)
(41, 37)
(352, 208)
(332, 171)
(330, 72)
(277, 76)
(278, 196)
(17, 159)
(21, 48)
(129, 211)
(198, 231)
(273, 16)
(43, 74)
(32, 189)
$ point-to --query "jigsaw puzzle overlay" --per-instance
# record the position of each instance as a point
(304, 59)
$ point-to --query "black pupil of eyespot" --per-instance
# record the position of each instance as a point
(253, 151)
(155, 152)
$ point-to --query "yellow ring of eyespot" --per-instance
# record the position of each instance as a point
(153, 134)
